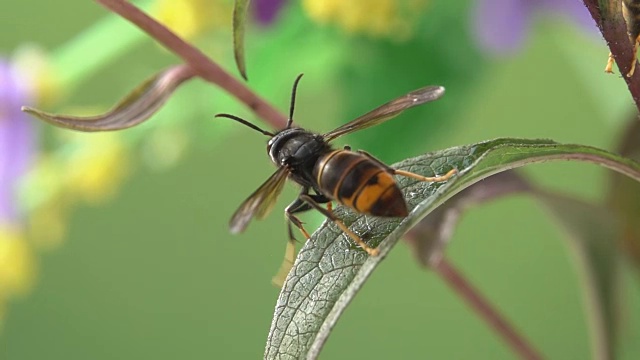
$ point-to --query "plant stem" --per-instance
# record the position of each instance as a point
(614, 30)
(481, 305)
(204, 67)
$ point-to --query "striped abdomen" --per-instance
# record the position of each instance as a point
(360, 183)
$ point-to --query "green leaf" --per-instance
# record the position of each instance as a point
(134, 109)
(329, 269)
(239, 23)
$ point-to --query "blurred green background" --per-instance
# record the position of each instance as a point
(154, 273)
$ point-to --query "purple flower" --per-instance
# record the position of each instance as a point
(266, 11)
(501, 26)
(17, 140)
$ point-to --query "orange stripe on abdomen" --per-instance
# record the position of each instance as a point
(380, 196)
(356, 181)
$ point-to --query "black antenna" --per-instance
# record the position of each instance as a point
(293, 100)
(245, 122)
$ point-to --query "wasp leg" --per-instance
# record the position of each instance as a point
(309, 200)
(290, 251)
(609, 68)
(297, 206)
(444, 177)
(393, 171)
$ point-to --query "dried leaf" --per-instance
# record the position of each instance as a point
(134, 109)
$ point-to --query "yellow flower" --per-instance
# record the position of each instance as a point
(381, 18)
(41, 195)
(165, 147)
(48, 224)
(17, 268)
(35, 68)
(189, 18)
(96, 169)
(90, 168)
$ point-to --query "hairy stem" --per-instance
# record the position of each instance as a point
(614, 29)
(203, 66)
(482, 307)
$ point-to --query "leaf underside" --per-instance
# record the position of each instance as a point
(330, 269)
(239, 23)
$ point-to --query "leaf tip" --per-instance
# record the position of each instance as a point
(28, 110)
(240, 63)
(34, 112)
(235, 228)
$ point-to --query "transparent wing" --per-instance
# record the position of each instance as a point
(260, 202)
(388, 110)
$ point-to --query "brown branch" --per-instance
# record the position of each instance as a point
(482, 307)
(204, 67)
(614, 30)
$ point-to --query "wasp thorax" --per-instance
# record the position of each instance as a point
(294, 147)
